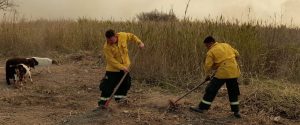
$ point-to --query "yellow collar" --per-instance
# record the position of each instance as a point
(213, 45)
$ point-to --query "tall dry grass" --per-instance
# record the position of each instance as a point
(276, 98)
(174, 52)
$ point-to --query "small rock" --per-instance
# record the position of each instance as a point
(277, 119)
(126, 111)
(175, 116)
(65, 121)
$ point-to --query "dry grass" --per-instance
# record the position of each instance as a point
(174, 52)
(276, 98)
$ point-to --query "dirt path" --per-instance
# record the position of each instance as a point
(68, 95)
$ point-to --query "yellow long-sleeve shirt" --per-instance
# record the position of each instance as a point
(222, 58)
(116, 55)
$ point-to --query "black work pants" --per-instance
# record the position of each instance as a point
(213, 88)
(108, 84)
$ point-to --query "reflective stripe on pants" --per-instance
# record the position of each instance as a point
(206, 102)
(120, 96)
(234, 103)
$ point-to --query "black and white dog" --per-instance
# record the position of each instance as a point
(31, 63)
(11, 65)
(22, 73)
(45, 62)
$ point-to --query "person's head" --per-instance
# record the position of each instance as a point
(209, 41)
(111, 36)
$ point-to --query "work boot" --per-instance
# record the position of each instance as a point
(123, 102)
(197, 109)
(99, 108)
(237, 115)
(101, 103)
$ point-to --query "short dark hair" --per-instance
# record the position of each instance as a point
(209, 39)
(109, 33)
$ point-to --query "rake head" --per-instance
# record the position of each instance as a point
(173, 105)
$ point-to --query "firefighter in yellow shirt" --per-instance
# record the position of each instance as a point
(220, 57)
(117, 63)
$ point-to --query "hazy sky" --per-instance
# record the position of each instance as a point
(127, 9)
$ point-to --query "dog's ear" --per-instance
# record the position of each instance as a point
(20, 66)
(35, 62)
(32, 62)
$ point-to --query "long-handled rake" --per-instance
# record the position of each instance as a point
(174, 105)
